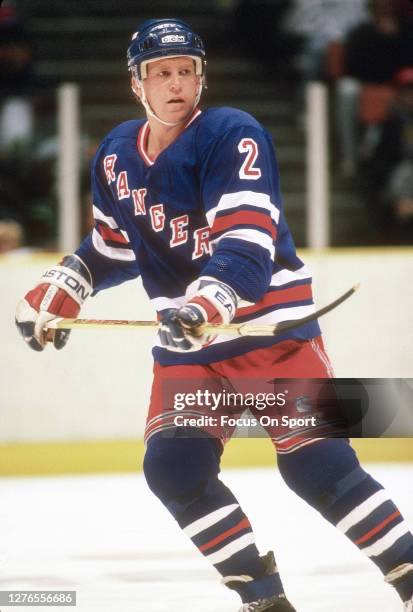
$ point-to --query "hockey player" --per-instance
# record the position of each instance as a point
(190, 200)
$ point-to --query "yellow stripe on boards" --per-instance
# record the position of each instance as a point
(71, 457)
(105, 456)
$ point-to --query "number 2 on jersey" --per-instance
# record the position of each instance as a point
(247, 170)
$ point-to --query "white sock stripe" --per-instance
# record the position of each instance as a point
(398, 572)
(208, 520)
(230, 549)
(387, 540)
(363, 510)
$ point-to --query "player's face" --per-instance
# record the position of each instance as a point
(171, 87)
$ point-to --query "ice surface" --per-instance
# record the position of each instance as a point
(109, 539)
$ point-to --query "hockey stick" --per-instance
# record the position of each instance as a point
(241, 329)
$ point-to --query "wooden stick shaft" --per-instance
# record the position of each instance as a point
(241, 329)
(131, 324)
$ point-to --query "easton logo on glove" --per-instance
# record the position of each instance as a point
(181, 329)
(217, 300)
(227, 302)
(61, 293)
(66, 279)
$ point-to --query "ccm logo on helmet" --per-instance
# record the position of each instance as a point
(68, 280)
(173, 38)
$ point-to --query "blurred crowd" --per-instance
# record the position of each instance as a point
(28, 142)
(374, 112)
(26, 108)
(362, 49)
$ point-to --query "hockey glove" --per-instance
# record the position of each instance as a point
(183, 329)
(60, 293)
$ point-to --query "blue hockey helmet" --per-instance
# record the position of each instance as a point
(158, 38)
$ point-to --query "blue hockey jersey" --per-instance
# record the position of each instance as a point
(209, 205)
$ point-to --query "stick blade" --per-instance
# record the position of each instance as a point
(292, 324)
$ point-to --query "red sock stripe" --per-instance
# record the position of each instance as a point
(244, 524)
(379, 527)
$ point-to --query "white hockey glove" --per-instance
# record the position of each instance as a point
(60, 293)
(182, 329)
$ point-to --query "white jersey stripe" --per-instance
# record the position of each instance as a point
(230, 549)
(244, 198)
(208, 520)
(283, 314)
(288, 276)
(280, 278)
(99, 216)
(387, 541)
(111, 252)
(249, 235)
(160, 303)
(364, 509)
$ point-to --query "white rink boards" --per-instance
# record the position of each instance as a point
(106, 374)
(109, 539)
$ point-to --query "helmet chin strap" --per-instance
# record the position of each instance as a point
(151, 113)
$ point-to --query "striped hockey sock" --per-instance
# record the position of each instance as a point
(221, 531)
(369, 518)
(183, 474)
(328, 475)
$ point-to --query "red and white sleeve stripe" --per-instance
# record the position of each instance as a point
(109, 239)
(245, 215)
